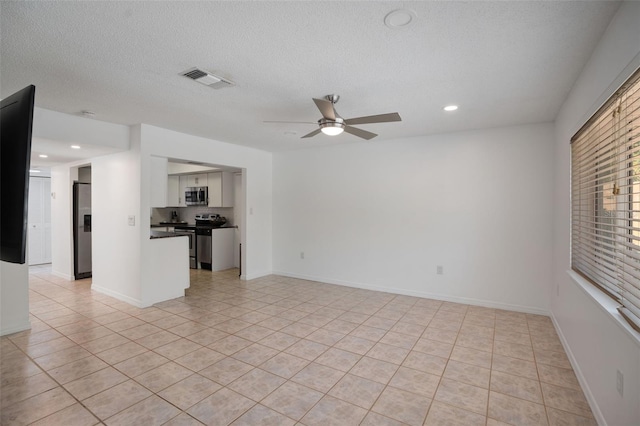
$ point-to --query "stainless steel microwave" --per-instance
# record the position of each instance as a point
(196, 196)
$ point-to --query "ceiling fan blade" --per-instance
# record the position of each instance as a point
(359, 132)
(326, 108)
(309, 135)
(291, 122)
(381, 118)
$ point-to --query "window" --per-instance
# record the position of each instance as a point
(605, 199)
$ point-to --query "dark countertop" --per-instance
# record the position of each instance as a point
(163, 234)
(165, 224)
(186, 225)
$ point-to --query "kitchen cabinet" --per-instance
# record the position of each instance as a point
(176, 186)
(220, 184)
(183, 183)
(158, 182)
(221, 193)
(197, 180)
(222, 248)
(173, 191)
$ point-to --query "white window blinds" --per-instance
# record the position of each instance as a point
(605, 199)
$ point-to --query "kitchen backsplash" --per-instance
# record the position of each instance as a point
(189, 213)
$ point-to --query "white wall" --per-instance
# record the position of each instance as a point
(115, 194)
(257, 165)
(62, 178)
(596, 340)
(383, 215)
(14, 298)
(126, 263)
(14, 278)
(57, 126)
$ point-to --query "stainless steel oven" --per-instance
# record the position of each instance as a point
(191, 233)
(196, 196)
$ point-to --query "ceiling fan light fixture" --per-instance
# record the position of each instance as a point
(331, 128)
(332, 131)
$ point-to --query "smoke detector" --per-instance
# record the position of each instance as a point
(208, 79)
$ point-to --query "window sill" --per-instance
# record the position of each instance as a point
(607, 304)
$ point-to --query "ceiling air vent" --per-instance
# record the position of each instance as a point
(207, 79)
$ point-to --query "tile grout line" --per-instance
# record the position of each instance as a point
(307, 297)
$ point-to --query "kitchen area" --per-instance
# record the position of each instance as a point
(197, 201)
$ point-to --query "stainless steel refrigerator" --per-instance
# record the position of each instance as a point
(82, 230)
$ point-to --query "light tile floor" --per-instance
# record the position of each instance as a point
(281, 351)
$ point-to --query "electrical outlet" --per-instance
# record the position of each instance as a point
(301, 255)
(439, 270)
(620, 382)
(132, 220)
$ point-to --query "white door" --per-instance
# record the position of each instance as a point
(39, 221)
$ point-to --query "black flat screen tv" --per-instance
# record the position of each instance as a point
(16, 123)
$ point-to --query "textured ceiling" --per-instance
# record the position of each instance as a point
(504, 63)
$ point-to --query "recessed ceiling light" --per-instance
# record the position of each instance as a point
(450, 108)
(43, 156)
(34, 171)
(399, 18)
(75, 146)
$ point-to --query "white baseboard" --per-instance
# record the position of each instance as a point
(581, 379)
(130, 300)
(255, 275)
(15, 328)
(427, 295)
(61, 275)
(178, 294)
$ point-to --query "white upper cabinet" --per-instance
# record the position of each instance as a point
(158, 182)
(220, 184)
(220, 189)
(174, 196)
(176, 187)
(197, 180)
(182, 188)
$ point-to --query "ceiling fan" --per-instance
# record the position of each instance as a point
(332, 124)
